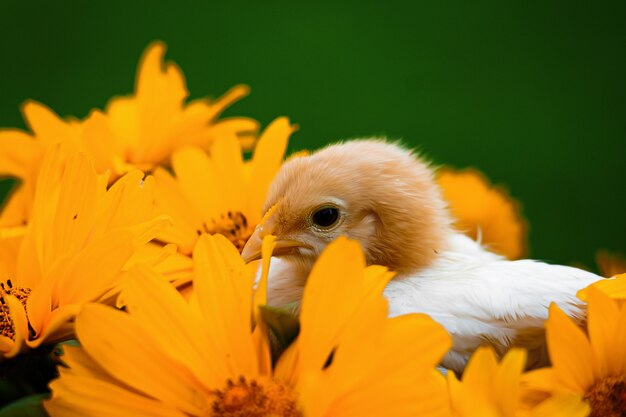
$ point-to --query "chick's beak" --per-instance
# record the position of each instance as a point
(252, 250)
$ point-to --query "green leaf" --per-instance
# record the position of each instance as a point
(283, 325)
(30, 406)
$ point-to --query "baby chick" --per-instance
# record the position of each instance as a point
(385, 197)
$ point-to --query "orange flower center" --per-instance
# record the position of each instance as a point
(233, 225)
(6, 323)
(255, 398)
(607, 397)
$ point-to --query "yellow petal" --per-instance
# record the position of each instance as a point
(260, 295)
(39, 304)
(614, 287)
(262, 350)
(244, 128)
(602, 325)
(224, 295)
(123, 117)
(455, 391)
(32, 255)
(171, 201)
(268, 156)
(9, 250)
(177, 268)
(79, 396)
(228, 162)
(340, 269)
(160, 93)
(544, 379)
(197, 180)
(400, 401)
(230, 97)
(28, 265)
(353, 360)
(508, 378)
(169, 320)
(48, 126)
(401, 347)
(17, 153)
(260, 335)
(479, 377)
(129, 201)
(99, 140)
(132, 355)
(287, 367)
(144, 232)
(58, 326)
(190, 127)
(101, 262)
(75, 209)
(570, 351)
(166, 260)
(394, 362)
(6, 346)
(562, 406)
(78, 362)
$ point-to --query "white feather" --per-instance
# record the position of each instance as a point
(482, 298)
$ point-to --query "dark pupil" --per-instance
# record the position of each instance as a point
(326, 216)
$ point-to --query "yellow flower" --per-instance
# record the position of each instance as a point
(72, 252)
(143, 130)
(588, 367)
(136, 132)
(167, 357)
(490, 389)
(484, 211)
(219, 192)
(610, 264)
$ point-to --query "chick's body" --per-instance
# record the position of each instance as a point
(386, 198)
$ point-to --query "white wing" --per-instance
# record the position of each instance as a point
(481, 298)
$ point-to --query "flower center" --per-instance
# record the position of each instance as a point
(6, 324)
(607, 397)
(255, 398)
(233, 225)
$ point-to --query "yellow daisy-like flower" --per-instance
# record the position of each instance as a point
(484, 211)
(219, 192)
(136, 132)
(142, 131)
(167, 357)
(73, 251)
(590, 368)
(492, 389)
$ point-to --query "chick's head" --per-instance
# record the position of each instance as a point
(372, 191)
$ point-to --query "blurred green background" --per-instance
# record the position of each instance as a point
(533, 93)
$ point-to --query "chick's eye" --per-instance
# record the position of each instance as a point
(326, 216)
